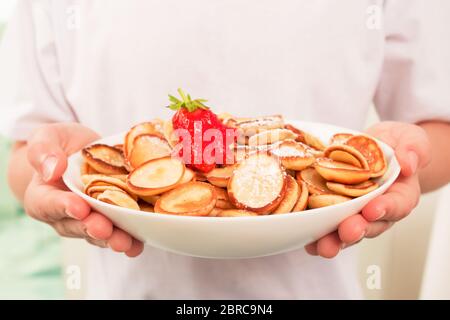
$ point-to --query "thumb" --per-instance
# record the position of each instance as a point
(413, 153)
(51, 144)
(45, 153)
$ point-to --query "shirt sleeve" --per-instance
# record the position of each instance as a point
(31, 92)
(415, 78)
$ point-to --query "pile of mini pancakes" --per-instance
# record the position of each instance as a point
(277, 169)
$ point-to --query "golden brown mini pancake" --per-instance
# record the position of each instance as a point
(302, 201)
(325, 200)
(156, 176)
(148, 147)
(100, 189)
(340, 172)
(270, 136)
(306, 138)
(251, 126)
(340, 138)
(150, 199)
(314, 181)
(169, 133)
(293, 155)
(192, 198)
(353, 190)
(86, 178)
(223, 201)
(219, 177)
(370, 149)
(86, 169)
(118, 198)
(105, 159)
(188, 176)
(346, 154)
(152, 127)
(290, 196)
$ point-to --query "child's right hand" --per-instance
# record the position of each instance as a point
(47, 198)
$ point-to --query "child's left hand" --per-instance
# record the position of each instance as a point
(413, 151)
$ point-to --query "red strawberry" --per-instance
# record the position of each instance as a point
(196, 118)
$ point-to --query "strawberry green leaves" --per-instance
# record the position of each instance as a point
(186, 102)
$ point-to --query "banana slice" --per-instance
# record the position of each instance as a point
(271, 136)
(193, 199)
(293, 155)
(105, 159)
(341, 172)
(325, 200)
(346, 154)
(314, 181)
(370, 149)
(219, 177)
(148, 147)
(235, 213)
(355, 190)
(156, 176)
(291, 196)
(153, 128)
(258, 184)
(118, 198)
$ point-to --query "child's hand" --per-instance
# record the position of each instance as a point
(47, 198)
(413, 152)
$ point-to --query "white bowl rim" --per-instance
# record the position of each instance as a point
(309, 212)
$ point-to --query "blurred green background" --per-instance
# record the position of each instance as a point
(30, 251)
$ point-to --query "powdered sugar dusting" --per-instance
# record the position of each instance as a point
(258, 181)
(263, 121)
(289, 151)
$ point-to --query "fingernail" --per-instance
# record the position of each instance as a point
(345, 245)
(90, 235)
(70, 214)
(413, 161)
(48, 167)
(380, 214)
(363, 233)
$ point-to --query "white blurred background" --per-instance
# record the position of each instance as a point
(413, 257)
(6, 7)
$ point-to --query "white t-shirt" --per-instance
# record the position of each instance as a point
(110, 64)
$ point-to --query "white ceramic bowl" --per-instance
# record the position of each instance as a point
(240, 237)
